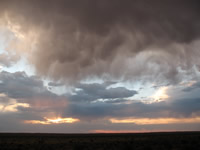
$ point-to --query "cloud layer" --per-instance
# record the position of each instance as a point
(25, 102)
(75, 40)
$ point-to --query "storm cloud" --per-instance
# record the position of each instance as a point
(131, 39)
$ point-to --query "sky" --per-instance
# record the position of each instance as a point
(99, 66)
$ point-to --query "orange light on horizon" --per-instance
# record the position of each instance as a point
(154, 121)
(133, 131)
(48, 121)
(119, 131)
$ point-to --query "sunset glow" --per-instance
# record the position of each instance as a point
(153, 121)
(47, 121)
(12, 107)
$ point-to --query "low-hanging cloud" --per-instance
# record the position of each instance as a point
(94, 92)
(21, 88)
(74, 40)
(181, 108)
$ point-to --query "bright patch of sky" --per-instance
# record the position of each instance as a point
(22, 64)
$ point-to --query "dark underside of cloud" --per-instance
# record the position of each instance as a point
(20, 86)
(77, 39)
(181, 108)
(94, 92)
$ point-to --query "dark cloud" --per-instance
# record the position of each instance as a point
(192, 87)
(95, 91)
(24, 97)
(185, 107)
(118, 101)
(20, 85)
(30, 90)
(79, 39)
(94, 115)
(173, 109)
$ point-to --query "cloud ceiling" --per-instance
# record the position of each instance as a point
(75, 40)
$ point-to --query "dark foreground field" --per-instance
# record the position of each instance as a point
(142, 141)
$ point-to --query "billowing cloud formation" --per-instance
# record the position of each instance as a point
(129, 39)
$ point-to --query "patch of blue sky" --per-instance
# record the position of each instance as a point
(20, 66)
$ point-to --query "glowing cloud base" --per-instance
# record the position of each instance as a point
(48, 121)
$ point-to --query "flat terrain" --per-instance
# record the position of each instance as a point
(139, 141)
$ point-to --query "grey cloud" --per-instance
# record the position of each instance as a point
(105, 110)
(118, 101)
(13, 122)
(78, 39)
(92, 92)
(175, 109)
(185, 107)
(31, 90)
(19, 85)
(193, 87)
(87, 112)
(19, 88)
